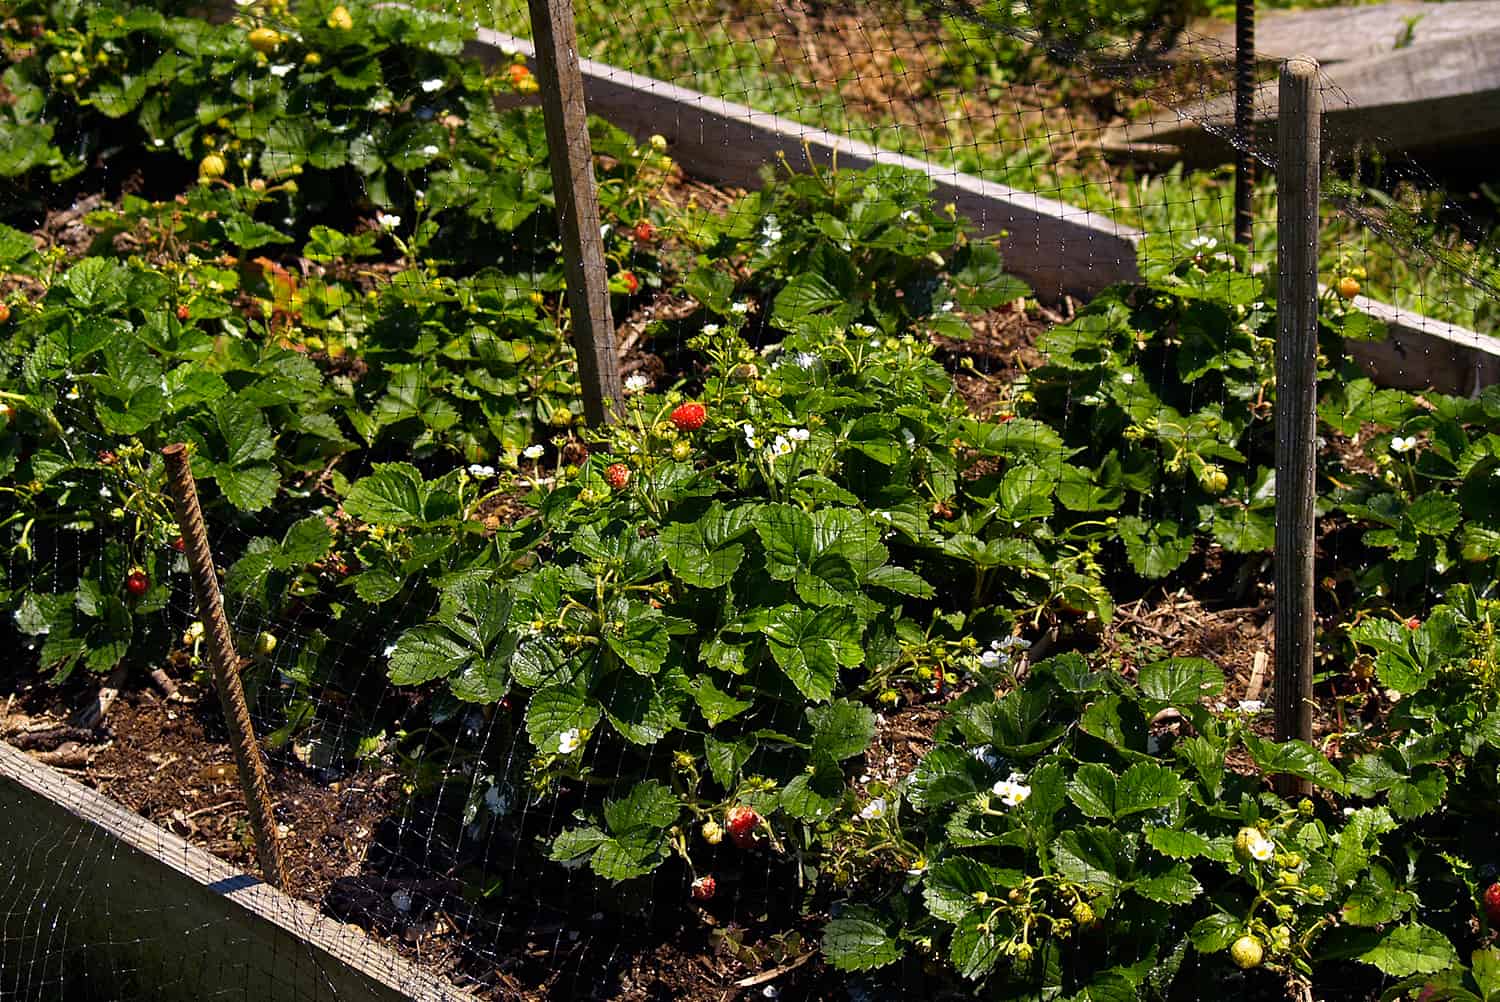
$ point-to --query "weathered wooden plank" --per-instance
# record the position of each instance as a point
(1420, 353)
(1438, 97)
(1299, 171)
(1344, 34)
(98, 903)
(1055, 247)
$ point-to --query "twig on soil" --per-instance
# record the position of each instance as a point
(93, 713)
(1257, 675)
(773, 973)
(70, 755)
(164, 683)
(51, 738)
(216, 807)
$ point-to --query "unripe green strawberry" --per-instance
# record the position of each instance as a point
(713, 832)
(264, 40)
(1246, 952)
(211, 167)
(1083, 914)
(1250, 844)
(1213, 479)
(265, 644)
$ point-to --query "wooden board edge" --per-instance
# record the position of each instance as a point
(1056, 247)
(246, 899)
(1051, 246)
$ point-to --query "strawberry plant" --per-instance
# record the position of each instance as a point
(693, 620)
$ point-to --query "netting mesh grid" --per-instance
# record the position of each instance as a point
(911, 627)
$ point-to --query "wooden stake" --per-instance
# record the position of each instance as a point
(225, 664)
(572, 158)
(1299, 158)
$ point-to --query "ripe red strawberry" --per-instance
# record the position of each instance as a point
(704, 887)
(1491, 899)
(689, 417)
(4, 312)
(179, 544)
(740, 821)
(631, 282)
(107, 457)
(183, 313)
(644, 231)
(1414, 623)
(136, 583)
(618, 475)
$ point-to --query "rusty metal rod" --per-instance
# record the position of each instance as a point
(1244, 123)
(225, 664)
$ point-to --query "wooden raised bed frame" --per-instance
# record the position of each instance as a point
(99, 903)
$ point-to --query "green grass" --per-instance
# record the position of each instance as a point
(693, 43)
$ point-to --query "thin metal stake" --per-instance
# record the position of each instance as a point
(1244, 121)
(1298, 185)
(225, 664)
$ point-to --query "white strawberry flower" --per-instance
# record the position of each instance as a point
(388, 221)
(799, 434)
(637, 382)
(281, 69)
(430, 150)
(533, 452)
(874, 810)
(740, 308)
(433, 85)
(1261, 848)
(568, 741)
(481, 471)
(1399, 444)
(1012, 792)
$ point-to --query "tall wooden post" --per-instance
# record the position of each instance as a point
(1244, 122)
(225, 664)
(1298, 151)
(572, 158)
